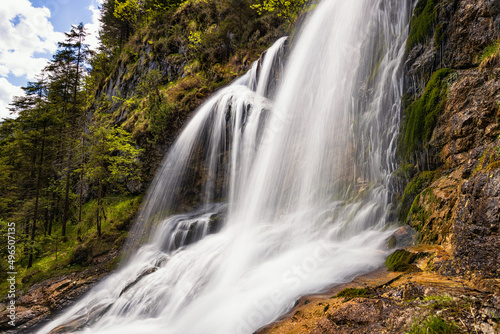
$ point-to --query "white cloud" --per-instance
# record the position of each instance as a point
(26, 36)
(25, 31)
(7, 92)
(93, 27)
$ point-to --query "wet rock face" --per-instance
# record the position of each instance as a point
(463, 30)
(476, 230)
(493, 7)
(494, 11)
(461, 209)
(466, 137)
(469, 30)
(469, 118)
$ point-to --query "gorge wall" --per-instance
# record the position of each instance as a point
(457, 204)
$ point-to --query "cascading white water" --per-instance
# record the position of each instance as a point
(292, 182)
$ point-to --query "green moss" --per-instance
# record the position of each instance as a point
(439, 35)
(419, 216)
(422, 22)
(421, 115)
(439, 302)
(432, 325)
(351, 293)
(400, 260)
(489, 51)
(412, 190)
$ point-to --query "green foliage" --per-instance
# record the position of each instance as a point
(126, 10)
(489, 51)
(112, 155)
(412, 190)
(56, 258)
(287, 9)
(421, 115)
(194, 39)
(400, 260)
(422, 22)
(432, 325)
(112, 161)
(350, 293)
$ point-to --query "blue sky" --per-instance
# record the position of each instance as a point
(29, 32)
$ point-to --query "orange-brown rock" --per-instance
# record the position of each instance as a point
(393, 306)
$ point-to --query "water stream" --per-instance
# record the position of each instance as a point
(278, 187)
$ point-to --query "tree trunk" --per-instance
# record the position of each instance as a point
(99, 209)
(80, 200)
(37, 197)
(66, 195)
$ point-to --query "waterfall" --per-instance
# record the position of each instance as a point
(278, 187)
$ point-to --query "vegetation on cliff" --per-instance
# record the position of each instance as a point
(422, 23)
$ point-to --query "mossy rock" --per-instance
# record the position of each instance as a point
(401, 260)
(421, 115)
(392, 242)
(418, 184)
(422, 23)
(215, 224)
(351, 293)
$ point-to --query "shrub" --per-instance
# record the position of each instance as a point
(432, 325)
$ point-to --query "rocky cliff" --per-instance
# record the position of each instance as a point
(459, 207)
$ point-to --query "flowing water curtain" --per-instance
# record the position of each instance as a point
(306, 177)
(215, 149)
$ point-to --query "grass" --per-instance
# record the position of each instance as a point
(432, 325)
(439, 298)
